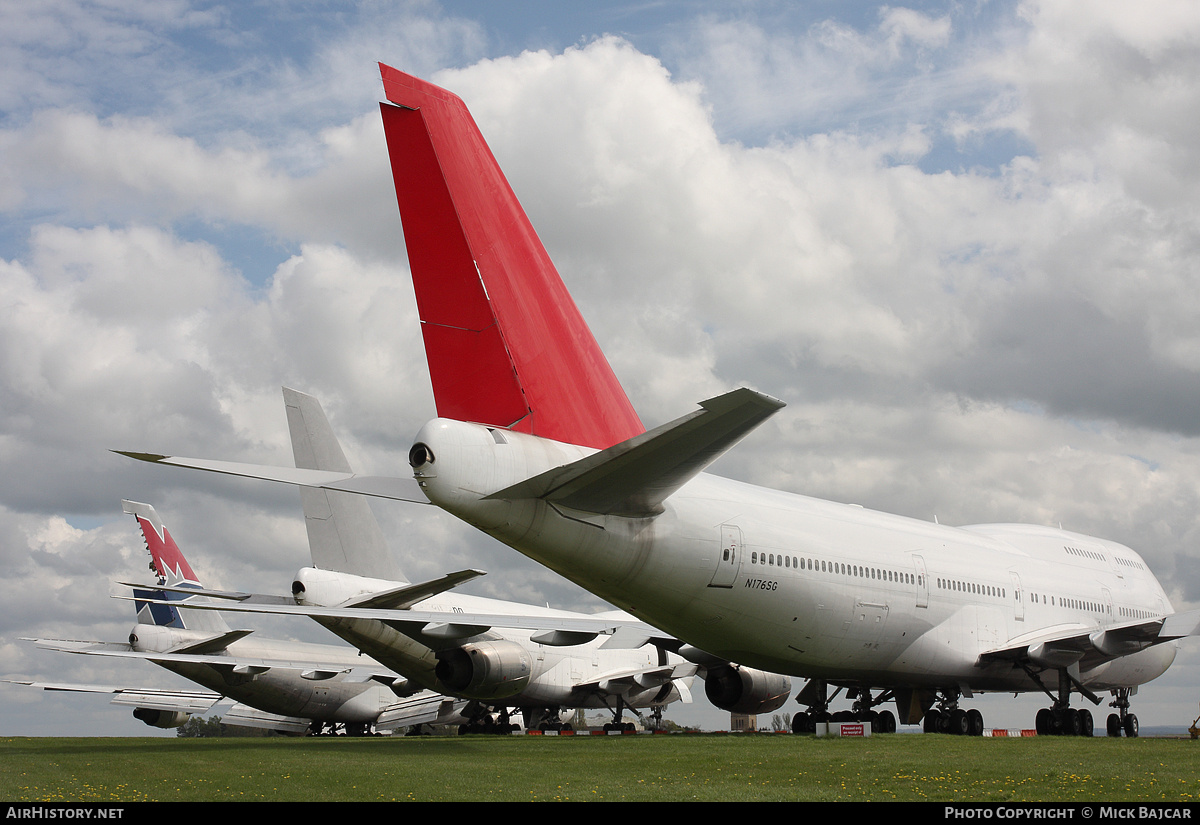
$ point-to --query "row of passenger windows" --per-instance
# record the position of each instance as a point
(972, 587)
(1064, 601)
(836, 567)
(878, 574)
(1130, 563)
(1087, 554)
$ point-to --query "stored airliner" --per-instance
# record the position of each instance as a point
(537, 445)
(286, 686)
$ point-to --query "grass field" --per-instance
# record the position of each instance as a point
(611, 768)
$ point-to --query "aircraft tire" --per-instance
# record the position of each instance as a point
(959, 726)
(1114, 725)
(931, 720)
(1089, 724)
(974, 722)
(1043, 722)
(1131, 726)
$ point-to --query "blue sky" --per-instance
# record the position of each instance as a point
(958, 239)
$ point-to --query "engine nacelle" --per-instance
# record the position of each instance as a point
(485, 670)
(746, 690)
(161, 718)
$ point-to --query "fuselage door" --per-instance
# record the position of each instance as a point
(1018, 597)
(922, 581)
(729, 558)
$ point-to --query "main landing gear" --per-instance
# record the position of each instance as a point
(546, 720)
(486, 722)
(948, 717)
(816, 696)
(340, 729)
(1060, 719)
(619, 725)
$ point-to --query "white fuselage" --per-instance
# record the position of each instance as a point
(807, 587)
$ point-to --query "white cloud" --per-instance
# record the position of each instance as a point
(1011, 341)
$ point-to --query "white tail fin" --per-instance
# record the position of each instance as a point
(343, 535)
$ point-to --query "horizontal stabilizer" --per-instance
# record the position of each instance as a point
(400, 489)
(633, 478)
(234, 595)
(405, 596)
(213, 644)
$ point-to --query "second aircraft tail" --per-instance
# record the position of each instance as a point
(343, 534)
(173, 570)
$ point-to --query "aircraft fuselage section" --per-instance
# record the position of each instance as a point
(340, 698)
(802, 586)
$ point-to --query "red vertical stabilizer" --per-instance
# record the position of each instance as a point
(506, 345)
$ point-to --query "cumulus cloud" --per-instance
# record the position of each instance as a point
(993, 338)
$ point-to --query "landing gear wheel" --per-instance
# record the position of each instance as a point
(974, 723)
(1114, 725)
(1088, 724)
(885, 722)
(958, 723)
(1131, 726)
(803, 723)
(1044, 722)
(932, 718)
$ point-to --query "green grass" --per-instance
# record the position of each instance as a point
(612, 768)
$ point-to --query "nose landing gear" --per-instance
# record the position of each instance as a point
(1122, 721)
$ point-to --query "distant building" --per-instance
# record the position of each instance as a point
(743, 722)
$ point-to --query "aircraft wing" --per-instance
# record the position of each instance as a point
(549, 629)
(186, 701)
(632, 680)
(1090, 646)
(315, 671)
(248, 717)
(400, 489)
